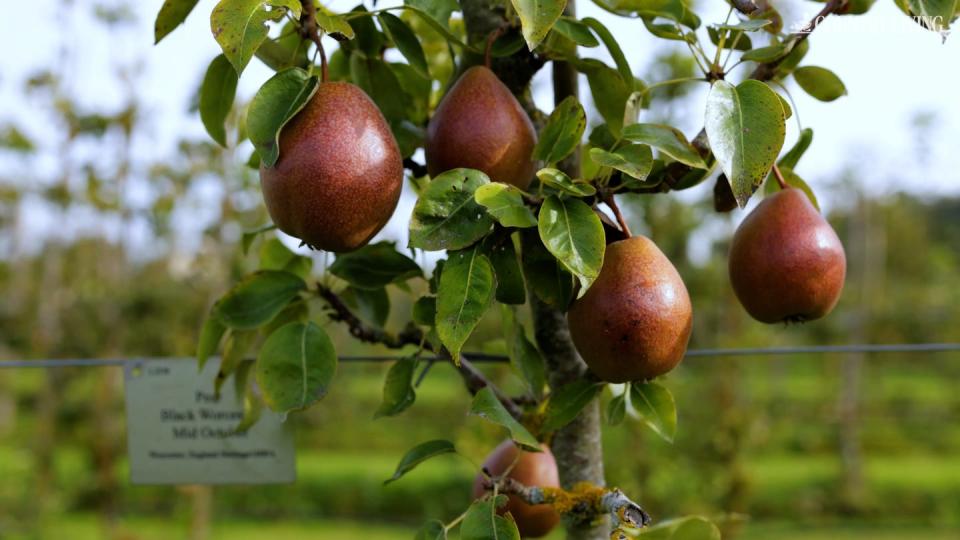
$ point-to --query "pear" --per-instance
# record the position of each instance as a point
(339, 174)
(532, 469)
(634, 322)
(480, 125)
(786, 262)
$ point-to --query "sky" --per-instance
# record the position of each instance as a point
(894, 72)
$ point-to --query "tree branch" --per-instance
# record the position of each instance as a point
(473, 378)
(309, 30)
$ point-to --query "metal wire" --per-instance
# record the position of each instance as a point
(496, 358)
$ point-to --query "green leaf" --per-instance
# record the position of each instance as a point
(252, 406)
(210, 335)
(483, 523)
(375, 77)
(790, 159)
(446, 215)
(239, 26)
(666, 139)
(576, 31)
(746, 127)
(465, 293)
(655, 406)
(635, 160)
(524, 356)
(623, 67)
(295, 366)
(257, 299)
(820, 83)
(432, 530)
(487, 406)
(737, 41)
(616, 410)
(172, 14)
(545, 276)
(674, 10)
(559, 180)
(374, 266)
(398, 392)
(537, 18)
(216, 97)
(234, 350)
(561, 136)
(425, 311)
(609, 91)
(275, 256)
(405, 40)
(933, 15)
(333, 23)
(438, 10)
(420, 453)
(505, 204)
(567, 402)
(572, 232)
(371, 305)
(506, 268)
(278, 100)
(766, 54)
(750, 25)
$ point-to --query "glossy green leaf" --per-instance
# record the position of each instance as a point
(398, 392)
(576, 31)
(524, 356)
(792, 157)
(374, 266)
(746, 127)
(257, 299)
(483, 523)
(425, 311)
(446, 215)
(674, 10)
(375, 77)
(749, 25)
(572, 232)
(655, 406)
(278, 100)
(487, 406)
(466, 291)
(537, 18)
(295, 366)
(506, 268)
(216, 97)
(371, 305)
(438, 10)
(545, 276)
(405, 40)
(739, 41)
(235, 349)
(609, 92)
(420, 453)
(559, 180)
(623, 67)
(432, 530)
(935, 15)
(766, 54)
(240, 26)
(567, 402)
(172, 14)
(820, 83)
(616, 409)
(275, 256)
(210, 336)
(666, 139)
(635, 160)
(505, 204)
(334, 24)
(561, 136)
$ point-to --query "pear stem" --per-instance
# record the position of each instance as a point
(487, 51)
(308, 26)
(612, 203)
(779, 175)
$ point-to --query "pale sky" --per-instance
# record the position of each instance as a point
(892, 68)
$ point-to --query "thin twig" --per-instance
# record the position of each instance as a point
(490, 40)
(612, 203)
(308, 25)
(779, 175)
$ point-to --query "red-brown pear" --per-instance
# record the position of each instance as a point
(339, 174)
(533, 469)
(480, 125)
(786, 262)
(634, 322)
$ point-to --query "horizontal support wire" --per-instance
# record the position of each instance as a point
(496, 358)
